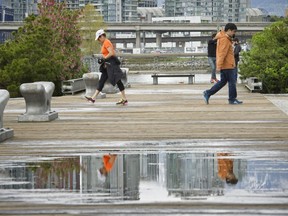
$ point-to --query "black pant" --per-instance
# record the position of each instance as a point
(103, 79)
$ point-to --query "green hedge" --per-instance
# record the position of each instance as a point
(268, 58)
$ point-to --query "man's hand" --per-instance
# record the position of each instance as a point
(218, 70)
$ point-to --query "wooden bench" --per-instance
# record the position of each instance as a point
(191, 77)
(72, 86)
(254, 84)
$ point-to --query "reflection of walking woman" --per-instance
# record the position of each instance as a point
(110, 68)
(108, 163)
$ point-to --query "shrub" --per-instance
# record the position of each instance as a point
(268, 58)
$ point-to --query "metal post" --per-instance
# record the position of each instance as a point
(3, 14)
(158, 40)
(27, 9)
(138, 40)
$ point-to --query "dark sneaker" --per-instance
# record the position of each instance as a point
(90, 99)
(235, 102)
(206, 97)
(122, 102)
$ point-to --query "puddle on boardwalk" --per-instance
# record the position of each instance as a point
(146, 177)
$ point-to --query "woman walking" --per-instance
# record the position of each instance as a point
(109, 67)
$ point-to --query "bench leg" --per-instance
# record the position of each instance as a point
(155, 80)
(190, 80)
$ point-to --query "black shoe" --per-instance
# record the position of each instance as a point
(90, 99)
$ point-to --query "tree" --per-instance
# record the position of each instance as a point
(89, 22)
(275, 18)
(67, 37)
(29, 56)
(46, 48)
(268, 58)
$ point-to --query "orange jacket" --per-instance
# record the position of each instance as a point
(108, 162)
(225, 165)
(224, 53)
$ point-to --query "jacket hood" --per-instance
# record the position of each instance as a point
(222, 34)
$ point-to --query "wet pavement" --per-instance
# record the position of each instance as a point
(165, 153)
(204, 175)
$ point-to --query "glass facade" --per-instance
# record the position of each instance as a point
(147, 3)
(6, 11)
(219, 10)
(126, 10)
(112, 10)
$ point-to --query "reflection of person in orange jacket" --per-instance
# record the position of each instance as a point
(108, 162)
(225, 169)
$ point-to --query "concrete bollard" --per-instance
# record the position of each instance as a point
(38, 97)
(91, 81)
(5, 133)
(125, 77)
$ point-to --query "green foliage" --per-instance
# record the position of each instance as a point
(89, 22)
(268, 58)
(276, 18)
(66, 38)
(46, 48)
(29, 57)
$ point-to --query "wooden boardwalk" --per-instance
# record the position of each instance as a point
(154, 113)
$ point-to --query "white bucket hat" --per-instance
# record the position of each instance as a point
(99, 33)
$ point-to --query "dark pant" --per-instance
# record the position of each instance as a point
(103, 79)
(227, 75)
(212, 62)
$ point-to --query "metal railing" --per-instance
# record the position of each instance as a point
(164, 62)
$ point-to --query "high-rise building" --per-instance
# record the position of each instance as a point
(6, 11)
(112, 10)
(23, 8)
(129, 13)
(219, 10)
(147, 3)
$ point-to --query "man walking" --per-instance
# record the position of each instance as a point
(225, 64)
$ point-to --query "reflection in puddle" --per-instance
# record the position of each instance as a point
(151, 177)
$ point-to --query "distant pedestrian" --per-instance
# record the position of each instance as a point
(212, 45)
(225, 64)
(237, 50)
(109, 67)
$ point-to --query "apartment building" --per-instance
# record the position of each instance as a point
(219, 10)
